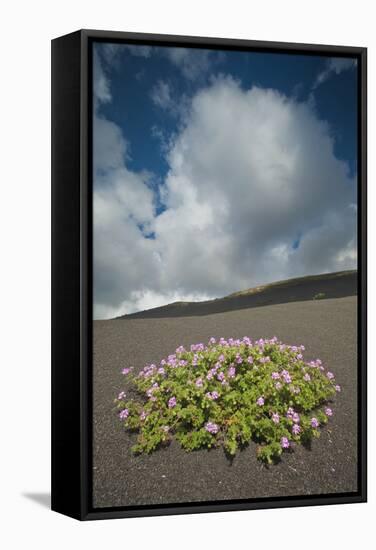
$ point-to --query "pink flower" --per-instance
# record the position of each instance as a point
(330, 375)
(337, 388)
(314, 422)
(275, 375)
(250, 359)
(275, 418)
(231, 372)
(142, 415)
(197, 347)
(211, 427)
(296, 429)
(295, 417)
(328, 411)
(199, 382)
(161, 370)
(306, 377)
(285, 444)
(260, 401)
(172, 361)
(290, 412)
(127, 370)
(171, 402)
(212, 395)
(121, 395)
(124, 414)
(278, 385)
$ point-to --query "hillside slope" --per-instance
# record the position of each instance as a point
(328, 285)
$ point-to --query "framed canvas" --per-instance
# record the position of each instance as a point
(208, 274)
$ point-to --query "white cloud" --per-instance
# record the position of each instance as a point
(101, 85)
(107, 56)
(140, 51)
(334, 66)
(161, 94)
(111, 52)
(193, 62)
(165, 139)
(109, 144)
(123, 203)
(140, 300)
(249, 172)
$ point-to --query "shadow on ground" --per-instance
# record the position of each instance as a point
(43, 499)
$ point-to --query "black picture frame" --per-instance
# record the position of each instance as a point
(72, 274)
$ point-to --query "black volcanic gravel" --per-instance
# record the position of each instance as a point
(328, 330)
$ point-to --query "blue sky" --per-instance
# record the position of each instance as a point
(152, 108)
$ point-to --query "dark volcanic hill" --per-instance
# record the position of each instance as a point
(328, 285)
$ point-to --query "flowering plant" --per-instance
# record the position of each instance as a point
(228, 393)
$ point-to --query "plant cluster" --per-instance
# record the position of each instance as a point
(227, 393)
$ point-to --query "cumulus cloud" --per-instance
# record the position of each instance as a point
(140, 51)
(164, 97)
(334, 66)
(250, 172)
(141, 300)
(165, 139)
(109, 58)
(111, 52)
(124, 211)
(161, 95)
(101, 85)
(193, 63)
